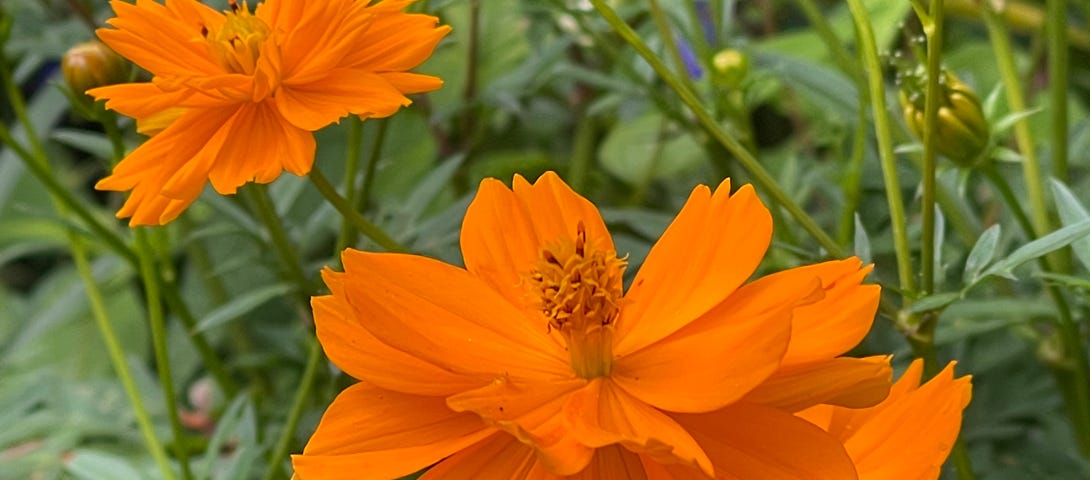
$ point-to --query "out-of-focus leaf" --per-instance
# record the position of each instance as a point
(92, 465)
(1042, 246)
(648, 148)
(937, 301)
(981, 254)
(240, 305)
(1071, 212)
(861, 243)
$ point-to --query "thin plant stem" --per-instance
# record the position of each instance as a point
(289, 257)
(760, 176)
(1072, 372)
(667, 35)
(469, 90)
(351, 168)
(148, 273)
(833, 44)
(853, 177)
(117, 356)
(873, 69)
(346, 209)
(1031, 169)
(364, 200)
(306, 382)
(933, 29)
(586, 131)
(1056, 32)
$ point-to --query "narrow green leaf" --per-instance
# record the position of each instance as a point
(91, 465)
(861, 244)
(241, 305)
(982, 253)
(1071, 212)
(1042, 246)
(937, 301)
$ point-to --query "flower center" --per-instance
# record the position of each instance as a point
(237, 43)
(579, 288)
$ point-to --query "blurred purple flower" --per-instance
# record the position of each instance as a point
(704, 13)
(689, 58)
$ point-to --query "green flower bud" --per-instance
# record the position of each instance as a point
(92, 64)
(730, 67)
(961, 130)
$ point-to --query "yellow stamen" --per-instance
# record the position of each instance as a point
(579, 287)
(237, 44)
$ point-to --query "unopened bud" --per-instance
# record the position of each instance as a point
(961, 131)
(92, 64)
(731, 67)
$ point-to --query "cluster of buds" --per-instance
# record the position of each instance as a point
(961, 130)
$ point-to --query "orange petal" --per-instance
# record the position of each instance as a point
(714, 244)
(602, 414)
(168, 172)
(163, 39)
(613, 462)
(352, 348)
(315, 37)
(839, 321)
(718, 358)
(504, 230)
(262, 144)
(445, 316)
(850, 382)
(534, 415)
(752, 441)
(369, 432)
(910, 434)
(143, 100)
(396, 41)
(322, 101)
(501, 457)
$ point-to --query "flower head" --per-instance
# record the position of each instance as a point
(235, 95)
(909, 435)
(534, 362)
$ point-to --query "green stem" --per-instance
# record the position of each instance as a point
(933, 29)
(1074, 373)
(351, 168)
(760, 176)
(667, 36)
(365, 227)
(289, 257)
(873, 70)
(306, 382)
(149, 274)
(833, 44)
(1000, 40)
(363, 203)
(117, 357)
(1057, 78)
(586, 132)
(853, 177)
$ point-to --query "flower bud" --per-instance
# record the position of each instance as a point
(961, 131)
(731, 67)
(92, 64)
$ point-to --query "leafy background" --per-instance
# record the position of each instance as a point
(548, 86)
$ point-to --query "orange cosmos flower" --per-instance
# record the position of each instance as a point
(533, 363)
(235, 96)
(909, 435)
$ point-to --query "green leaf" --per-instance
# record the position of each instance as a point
(862, 241)
(937, 301)
(1042, 246)
(982, 254)
(1071, 212)
(92, 465)
(647, 148)
(241, 305)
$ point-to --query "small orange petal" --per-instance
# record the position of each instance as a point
(160, 38)
(321, 101)
(263, 145)
(613, 462)
(352, 348)
(369, 432)
(501, 457)
(603, 414)
(444, 315)
(714, 244)
(716, 359)
(534, 415)
(840, 320)
(752, 441)
(504, 230)
(851, 382)
(909, 435)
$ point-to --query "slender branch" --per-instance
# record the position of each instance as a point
(306, 382)
(760, 176)
(365, 227)
(873, 69)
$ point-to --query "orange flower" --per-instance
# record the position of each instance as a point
(235, 96)
(531, 363)
(909, 435)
